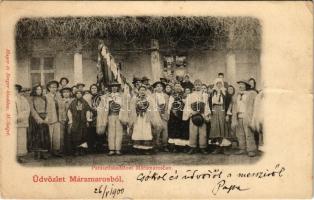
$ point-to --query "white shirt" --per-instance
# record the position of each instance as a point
(241, 102)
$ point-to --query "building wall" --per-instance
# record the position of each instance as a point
(137, 64)
(204, 65)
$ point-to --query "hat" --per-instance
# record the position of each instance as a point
(65, 88)
(145, 78)
(158, 82)
(163, 79)
(64, 78)
(26, 89)
(52, 82)
(81, 91)
(18, 87)
(197, 119)
(135, 79)
(82, 84)
(243, 81)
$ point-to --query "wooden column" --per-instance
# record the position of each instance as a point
(78, 67)
(231, 68)
(155, 60)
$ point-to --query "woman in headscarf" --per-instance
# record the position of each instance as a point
(142, 119)
(77, 114)
(217, 101)
(39, 129)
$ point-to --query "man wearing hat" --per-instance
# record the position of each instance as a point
(65, 102)
(113, 113)
(80, 86)
(162, 100)
(242, 112)
(53, 117)
(197, 111)
(22, 117)
(137, 82)
(145, 82)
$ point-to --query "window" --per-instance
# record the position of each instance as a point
(174, 65)
(42, 70)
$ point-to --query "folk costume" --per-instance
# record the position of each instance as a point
(92, 136)
(22, 117)
(161, 135)
(39, 129)
(64, 105)
(218, 111)
(197, 111)
(142, 120)
(113, 113)
(177, 128)
(77, 115)
(53, 120)
(242, 112)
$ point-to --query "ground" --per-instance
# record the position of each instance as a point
(160, 158)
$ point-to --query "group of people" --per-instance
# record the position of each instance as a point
(168, 115)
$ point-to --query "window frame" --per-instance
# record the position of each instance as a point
(42, 71)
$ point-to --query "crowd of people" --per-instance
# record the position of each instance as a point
(168, 115)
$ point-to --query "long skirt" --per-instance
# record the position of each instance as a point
(142, 133)
(218, 122)
(178, 130)
(40, 136)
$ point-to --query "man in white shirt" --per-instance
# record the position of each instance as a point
(197, 110)
(22, 117)
(242, 112)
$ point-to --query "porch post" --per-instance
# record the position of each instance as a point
(231, 67)
(78, 67)
(231, 73)
(155, 60)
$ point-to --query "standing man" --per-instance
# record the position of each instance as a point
(242, 113)
(162, 101)
(114, 113)
(22, 117)
(197, 111)
(145, 82)
(53, 118)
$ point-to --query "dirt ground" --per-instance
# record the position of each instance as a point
(160, 158)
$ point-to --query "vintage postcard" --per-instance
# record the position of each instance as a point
(156, 100)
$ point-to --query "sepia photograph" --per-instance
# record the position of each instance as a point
(180, 90)
(156, 100)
